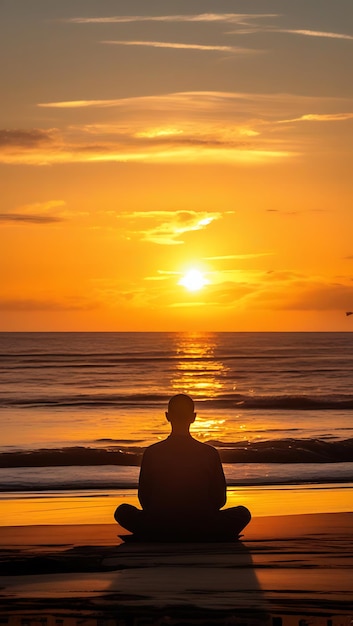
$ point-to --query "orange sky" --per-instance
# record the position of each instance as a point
(139, 142)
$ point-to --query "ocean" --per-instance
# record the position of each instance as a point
(78, 409)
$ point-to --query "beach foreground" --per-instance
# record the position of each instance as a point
(287, 568)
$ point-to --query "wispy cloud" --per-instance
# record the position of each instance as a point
(315, 33)
(79, 104)
(179, 101)
(233, 18)
(185, 127)
(166, 227)
(236, 257)
(208, 102)
(320, 117)
(182, 46)
(241, 19)
(304, 32)
(49, 212)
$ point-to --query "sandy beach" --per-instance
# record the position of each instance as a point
(285, 569)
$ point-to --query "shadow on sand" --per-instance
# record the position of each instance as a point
(167, 584)
(186, 583)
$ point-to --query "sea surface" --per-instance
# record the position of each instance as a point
(78, 409)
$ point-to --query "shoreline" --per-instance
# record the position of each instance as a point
(97, 506)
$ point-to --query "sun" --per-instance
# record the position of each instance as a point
(193, 280)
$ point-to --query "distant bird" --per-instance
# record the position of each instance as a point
(349, 313)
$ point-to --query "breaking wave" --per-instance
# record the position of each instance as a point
(274, 451)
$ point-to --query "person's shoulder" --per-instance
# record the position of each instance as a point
(206, 447)
(155, 447)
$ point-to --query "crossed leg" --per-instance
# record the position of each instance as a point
(227, 524)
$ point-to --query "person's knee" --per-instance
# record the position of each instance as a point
(122, 512)
(244, 513)
(129, 517)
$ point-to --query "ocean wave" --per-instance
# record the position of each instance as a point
(275, 451)
(222, 401)
(95, 481)
(283, 402)
(150, 355)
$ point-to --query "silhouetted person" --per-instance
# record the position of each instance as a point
(182, 488)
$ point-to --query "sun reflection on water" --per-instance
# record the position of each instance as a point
(208, 428)
(198, 371)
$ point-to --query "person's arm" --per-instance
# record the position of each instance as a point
(145, 480)
(219, 487)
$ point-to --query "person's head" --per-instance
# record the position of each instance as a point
(181, 412)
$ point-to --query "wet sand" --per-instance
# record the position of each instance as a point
(285, 566)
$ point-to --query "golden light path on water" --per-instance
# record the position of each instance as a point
(200, 373)
(196, 353)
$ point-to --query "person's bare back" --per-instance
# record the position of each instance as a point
(181, 474)
(182, 487)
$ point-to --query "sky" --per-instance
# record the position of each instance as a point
(141, 140)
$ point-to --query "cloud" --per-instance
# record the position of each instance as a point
(169, 155)
(302, 32)
(320, 117)
(315, 33)
(241, 19)
(166, 227)
(282, 212)
(233, 18)
(78, 104)
(47, 304)
(271, 290)
(320, 297)
(179, 101)
(29, 219)
(184, 128)
(292, 291)
(216, 104)
(182, 46)
(24, 138)
(235, 290)
(236, 257)
(49, 212)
